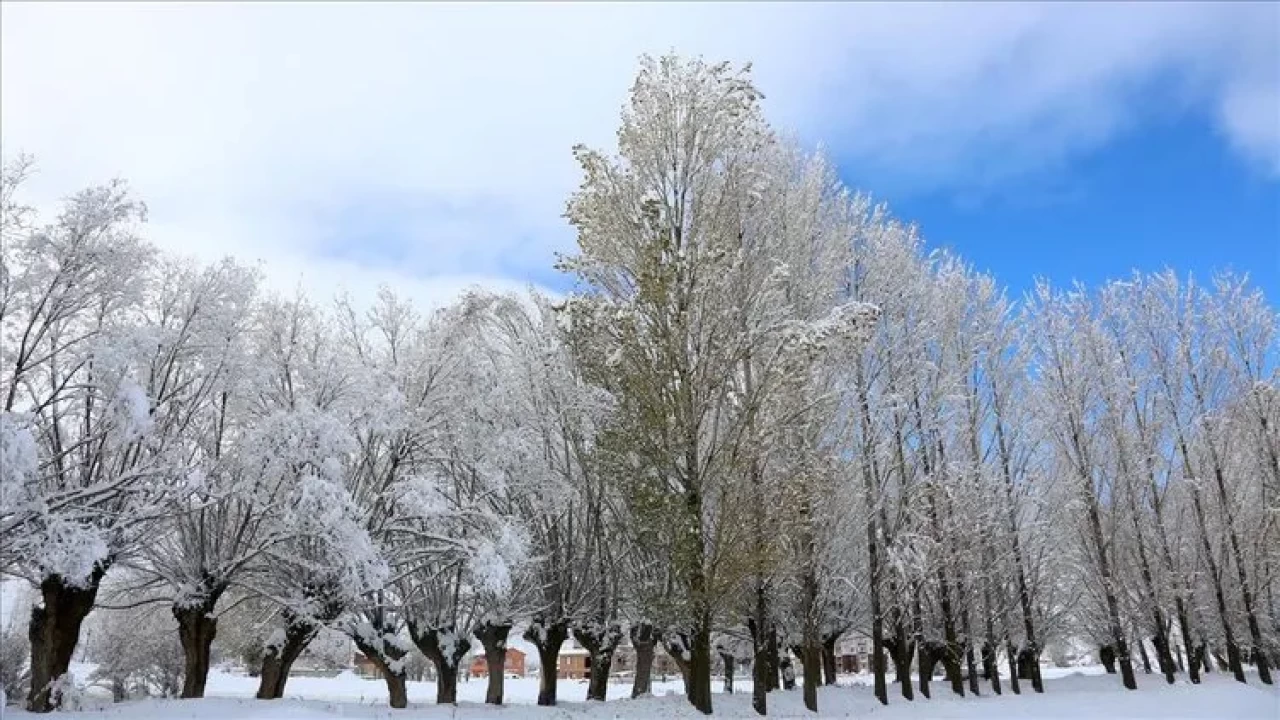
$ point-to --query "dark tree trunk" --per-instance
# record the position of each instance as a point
(692, 654)
(1028, 664)
(774, 650)
(788, 673)
(812, 659)
(991, 665)
(829, 658)
(493, 638)
(388, 659)
(547, 636)
(926, 656)
(197, 628)
(1015, 671)
(643, 639)
(1094, 514)
(600, 642)
(901, 651)
(873, 548)
(1107, 656)
(759, 655)
(951, 658)
(700, 668)
(277, 661)
(924, 649)
(54, 632)
(445, 648)
(972, 665)
(726, 659)
(298, 633)
(1146, 659)
(1024, 592)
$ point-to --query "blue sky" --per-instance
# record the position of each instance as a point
(427, 146)
(1165, 194)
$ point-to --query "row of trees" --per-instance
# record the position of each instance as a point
(765, 418)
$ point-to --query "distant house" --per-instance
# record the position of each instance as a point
(852, 654)
(574, 662)
(514, 664)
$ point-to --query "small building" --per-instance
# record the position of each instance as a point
(574, 662)
(514, 664)
(853, 654)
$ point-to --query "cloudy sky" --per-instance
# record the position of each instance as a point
(428, 146)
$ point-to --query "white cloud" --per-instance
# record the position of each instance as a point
(428, 145)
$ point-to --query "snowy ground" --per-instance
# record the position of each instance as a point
(1084, 693)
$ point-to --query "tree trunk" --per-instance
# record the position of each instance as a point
(873, 547)
(278, 660)
(972, 666)
(600, 641)
(197, 628)
(700, 668)
(951, 659)
(774, 651)
(829, 658)
(901, 651)
(1024, 593)
(389, 661)
(1104, 564)
(1146, 659)
(547, 636)
(1014, 682)
(445, 648)
(54, 632)
(788, 673)
(643, 639)
(493, 638)
(991, 665)
(926, 656)
(812, 659)
(1228, 633)
(759, 655)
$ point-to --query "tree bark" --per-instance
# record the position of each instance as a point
(445, 648)
(1024, 592)
(759, 655)
(773, 650)
(1104, 563)
(727, 660)
(926, 657)
(1107, 656)
(600, 641)
(873, 546)
(788, 673)
(829, 670)
(812, 659)
(493, 638)
(991, 665)
(390, 663)
(643, 639)
(1014, 681)
(277, 661)
(901, 651)
(547, 636)
(54, 632)
(197, 628)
